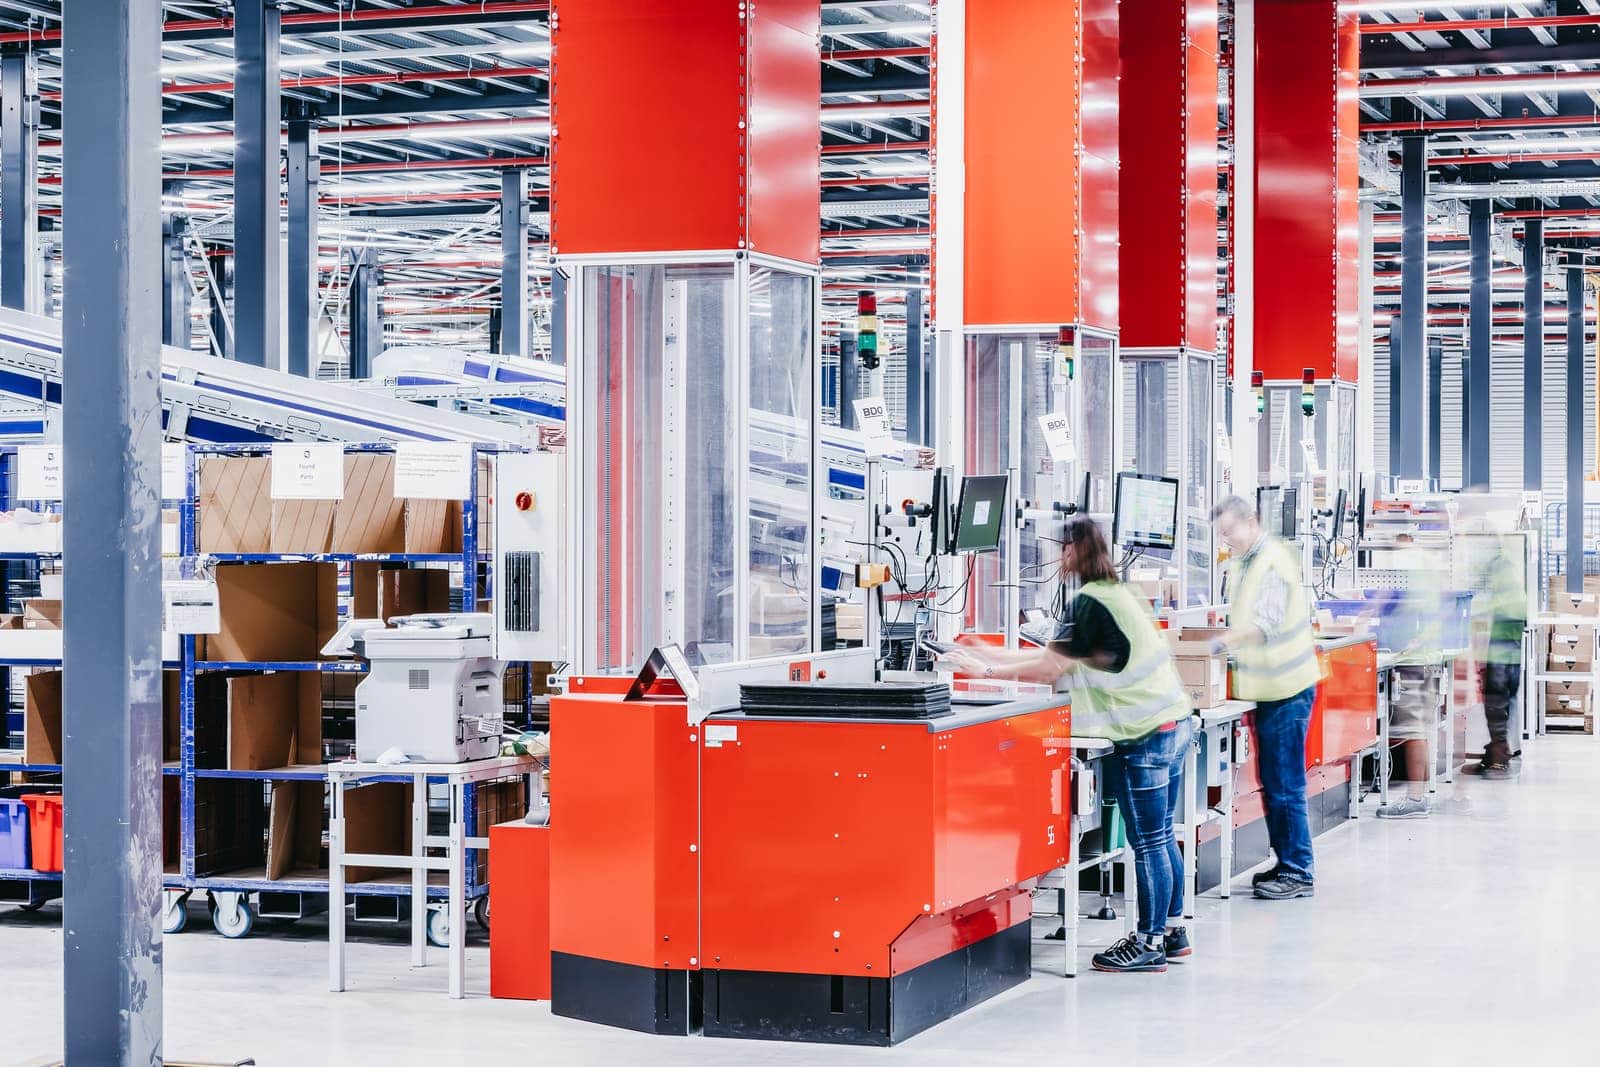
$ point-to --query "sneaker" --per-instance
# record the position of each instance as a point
(1284, 888)
(1271, 874)
(1405, 808)
(1176, 943)
(1132, 955)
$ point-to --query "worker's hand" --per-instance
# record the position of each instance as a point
(961, 662)
(1219, 646)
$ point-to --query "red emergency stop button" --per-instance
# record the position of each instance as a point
(524, 501)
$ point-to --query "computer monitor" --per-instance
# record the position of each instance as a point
(1289, 519)
(1146, 511)
(1341, 503)
(981, 515)
(1361, 512)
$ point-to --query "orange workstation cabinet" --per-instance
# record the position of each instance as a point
(811, 879)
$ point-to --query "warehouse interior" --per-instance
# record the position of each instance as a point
(803, 531)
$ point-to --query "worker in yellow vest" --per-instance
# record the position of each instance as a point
(1125, 688)
(1274, 667)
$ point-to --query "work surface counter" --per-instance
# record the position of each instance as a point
(967, 709)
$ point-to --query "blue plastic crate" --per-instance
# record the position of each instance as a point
(13, 835)
(1397, 616)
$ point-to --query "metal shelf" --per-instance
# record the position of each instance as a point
(24, 874)
(332, 666)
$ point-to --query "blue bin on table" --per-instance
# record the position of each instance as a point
(14, 854)
(1397, 617)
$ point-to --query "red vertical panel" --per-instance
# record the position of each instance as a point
(1099, 296)
(785, 116)
(1022, 130)
(1152, 253)
(1200, 175)
(1296, 202)
(622, 145)
(1347, 359)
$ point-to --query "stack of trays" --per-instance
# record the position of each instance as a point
(885, 700)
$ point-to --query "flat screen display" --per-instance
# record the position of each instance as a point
(1146, 511)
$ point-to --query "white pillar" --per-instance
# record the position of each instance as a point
(1243, 203)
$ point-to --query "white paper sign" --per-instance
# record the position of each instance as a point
(433, 471)
(39, 472)
(1224, 446)
(174, 471)
(307, 471)
(1313, 466)
(191, 607)
(872, 415)
(1411, 487)
(1058, 438)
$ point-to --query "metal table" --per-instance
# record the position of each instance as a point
(1085, 751)
(456, 776)
(1442, 664)
(1197, 812)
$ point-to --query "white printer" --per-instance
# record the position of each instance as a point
(433, 690)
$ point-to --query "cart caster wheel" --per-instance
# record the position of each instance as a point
(480, 912)
(235, 921)
(438, 928)
(175, 913)
(35, 905)
(1107, 913)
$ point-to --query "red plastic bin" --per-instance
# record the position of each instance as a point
(44, 818)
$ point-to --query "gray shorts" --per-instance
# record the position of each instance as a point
(1413, 698)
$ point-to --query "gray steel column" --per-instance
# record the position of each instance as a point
(1575, 422)
(513, 262)
(257, 114)
(1396, 324)
(1475, 372)
(19, 183)
(849, 380)
(111, 434)
(558, 316)
(366, 314)
(175, 328)
(1407, 396)
(1435, 414)
(301, 177)
(1533, 355)
(916, 419)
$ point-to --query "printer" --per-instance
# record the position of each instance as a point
(432, 691)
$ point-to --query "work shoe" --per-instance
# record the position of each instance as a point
(1271, 874)
(1284, 888)
(1132, 955)
(1176, 943)
(1405, 808)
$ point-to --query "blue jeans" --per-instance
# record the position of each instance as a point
(1146, 778)
(1281, 737)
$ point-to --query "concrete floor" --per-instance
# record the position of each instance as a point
(1465, 939)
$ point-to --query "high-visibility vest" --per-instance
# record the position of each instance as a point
(1422, 608)
(1285, 664)
(1503, 602)
(1146, 694)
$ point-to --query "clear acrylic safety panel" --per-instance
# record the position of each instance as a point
(661, 347)
(782, 323)
(1096, 423)
(1196, 490)
(1010, 383)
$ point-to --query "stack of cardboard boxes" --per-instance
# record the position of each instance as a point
(1570, 649)
(1204, 675)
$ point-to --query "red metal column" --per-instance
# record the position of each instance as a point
(732, 148)
(1038, 121)
(1168, 119)
(1307, 68)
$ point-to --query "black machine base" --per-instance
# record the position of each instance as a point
(849, 1010)
(651, 1001)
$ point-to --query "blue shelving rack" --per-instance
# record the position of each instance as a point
(294, 895)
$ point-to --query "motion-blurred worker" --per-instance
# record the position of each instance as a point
(1125, 688)
(1414, 693)
(1275, 666)
(1500, 606)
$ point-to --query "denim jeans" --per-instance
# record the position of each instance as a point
(1500, 684)
(1281, 742)
(1146, 778)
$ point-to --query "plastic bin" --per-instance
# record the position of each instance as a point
(13, 835)
(44, 811)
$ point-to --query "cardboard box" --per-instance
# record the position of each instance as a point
(1565, 603)
(10, 622)
(371, 518)
(257, 722)
(1566, 698)
(235, 504)
(283, 612)
(378, 592)
(229, 826)
(294, 831)
(377, 822)
(40, 614)
(1570, 648)
(41, 723)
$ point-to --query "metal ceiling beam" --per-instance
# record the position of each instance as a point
(1377, 57)
(1459, 25)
